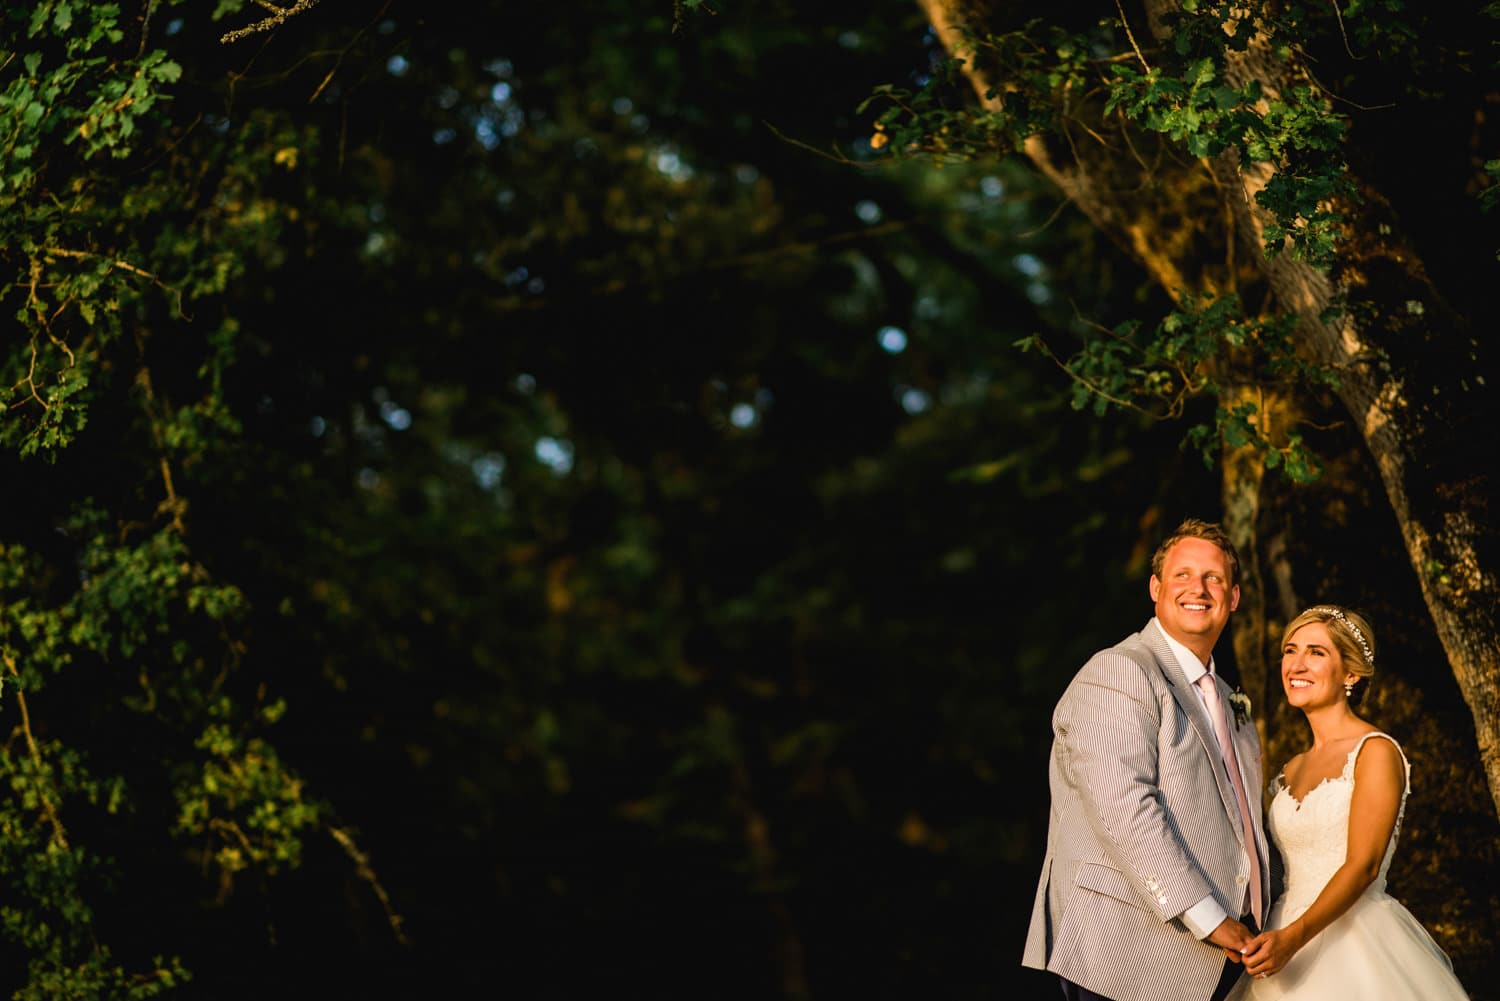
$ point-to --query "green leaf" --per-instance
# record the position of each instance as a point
(1224, 98)
(168, 71)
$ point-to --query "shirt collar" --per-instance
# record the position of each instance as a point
(1186, 659)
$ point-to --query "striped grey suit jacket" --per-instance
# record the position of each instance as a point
(1143, 825)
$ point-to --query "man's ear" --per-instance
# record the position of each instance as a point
(1155, 588)
(1234, 598)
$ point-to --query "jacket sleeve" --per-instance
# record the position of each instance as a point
(1108, 726)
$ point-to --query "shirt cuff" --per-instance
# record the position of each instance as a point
(1204, 917)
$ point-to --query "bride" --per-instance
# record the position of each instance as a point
(1335, 817)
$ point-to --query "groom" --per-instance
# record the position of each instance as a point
(1156, 860)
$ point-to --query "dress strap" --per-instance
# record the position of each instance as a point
(1405, 788)
(1354, 756)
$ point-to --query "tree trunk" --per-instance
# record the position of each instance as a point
(1403, 358)
(1244, 472)
(1401, 354)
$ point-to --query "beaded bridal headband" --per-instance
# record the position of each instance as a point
(1338, 613)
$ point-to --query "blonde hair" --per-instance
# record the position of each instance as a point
(1196, 528)
(1349, 632)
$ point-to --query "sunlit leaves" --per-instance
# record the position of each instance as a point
(107, 124)
(1044, 64)
(1193, 108)
(117, 223)
(1298, 132)
(1159, 372)
(242, 804)
(34, 640)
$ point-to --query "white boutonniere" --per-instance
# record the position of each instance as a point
(1240, 703)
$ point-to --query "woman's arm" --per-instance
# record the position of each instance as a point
(1379, 781)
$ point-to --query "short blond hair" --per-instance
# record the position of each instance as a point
(1196, 528)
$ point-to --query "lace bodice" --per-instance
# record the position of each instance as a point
(1313, 835)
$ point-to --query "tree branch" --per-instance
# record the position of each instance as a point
(362, 869)
(280, 17)
(59, 835)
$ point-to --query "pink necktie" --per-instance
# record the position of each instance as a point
(1226, 744)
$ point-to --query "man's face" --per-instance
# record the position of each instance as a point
(1193, 595)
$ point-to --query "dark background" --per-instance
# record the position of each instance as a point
(668, 560)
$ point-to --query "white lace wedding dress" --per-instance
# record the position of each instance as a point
(1374, 951)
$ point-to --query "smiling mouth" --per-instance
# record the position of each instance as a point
(1195, 607)
(1299, 683)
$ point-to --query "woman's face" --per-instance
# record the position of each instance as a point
(1312, 669)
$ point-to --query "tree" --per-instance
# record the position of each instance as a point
(1267, 151)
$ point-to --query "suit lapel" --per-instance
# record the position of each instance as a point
(1191, 705)
(1247, 750)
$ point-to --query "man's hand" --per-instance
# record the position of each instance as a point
(1232, 937)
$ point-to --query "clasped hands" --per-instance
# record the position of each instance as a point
(1263, 954)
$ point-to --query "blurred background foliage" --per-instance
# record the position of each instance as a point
(522, 499)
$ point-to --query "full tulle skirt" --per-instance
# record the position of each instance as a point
(1375, 951)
